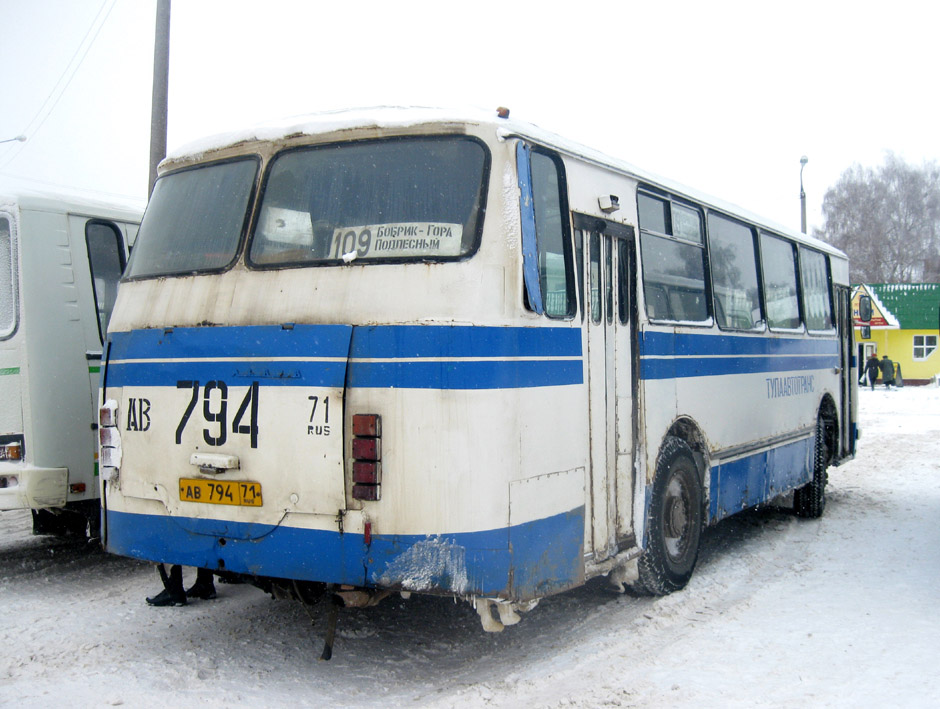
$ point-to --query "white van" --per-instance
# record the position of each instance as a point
(60, 262)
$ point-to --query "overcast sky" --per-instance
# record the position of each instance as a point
(722, 96)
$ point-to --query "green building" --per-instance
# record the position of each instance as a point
(904, 326)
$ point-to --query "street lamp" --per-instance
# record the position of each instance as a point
(18, 139)
(803, 161)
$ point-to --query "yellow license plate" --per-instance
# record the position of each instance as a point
(220, 492)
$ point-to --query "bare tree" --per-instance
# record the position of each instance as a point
(887, 219)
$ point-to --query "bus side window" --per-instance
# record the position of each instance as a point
(579, 269)
(672, 248)
(817, 302)
(609, 278)
(778, 260)
(623, 281)
(595, 268)
(553, 244)
(734, 273)
(106, 259)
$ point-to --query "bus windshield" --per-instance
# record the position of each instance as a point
(390, 200)
(194, 220)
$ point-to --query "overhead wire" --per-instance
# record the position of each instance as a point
(58, 90)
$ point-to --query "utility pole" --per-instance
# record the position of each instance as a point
(158, 105)
(803, 161)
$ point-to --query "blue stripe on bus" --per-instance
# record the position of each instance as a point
(495, 374)
(462, 341)
(525, 561)
(561, 348)
(329, 341)
(332, 341)
(670, 355)
(167, 374)
(516, 374)
(663, 356)
(670, 344)
(678, 368)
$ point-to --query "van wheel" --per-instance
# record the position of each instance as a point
(673, 521)
(809, 501)
(60, 523)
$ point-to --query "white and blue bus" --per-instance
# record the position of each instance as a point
(61, 258)
(421, 351)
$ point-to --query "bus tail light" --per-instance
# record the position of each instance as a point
(367, 472)
(367, 448)
(369, 425)
(109, 440)
(367, 456)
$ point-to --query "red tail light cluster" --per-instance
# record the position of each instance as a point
(367, 456)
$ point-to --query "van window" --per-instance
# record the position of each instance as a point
(7, 279)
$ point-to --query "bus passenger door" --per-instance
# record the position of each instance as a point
(849, 377)
(605, 278)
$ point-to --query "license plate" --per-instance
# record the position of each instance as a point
(220, 492)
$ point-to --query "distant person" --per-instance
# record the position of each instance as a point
(173, 593)
(872, 368)
(887, 372)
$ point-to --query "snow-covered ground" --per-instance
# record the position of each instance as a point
(781, 612)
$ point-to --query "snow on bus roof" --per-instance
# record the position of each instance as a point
(331, 122)
(392, 117)
(14, 192)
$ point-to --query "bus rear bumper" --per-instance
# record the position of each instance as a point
(520, 563)
(27, 487)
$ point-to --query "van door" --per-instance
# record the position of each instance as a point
(100, 245)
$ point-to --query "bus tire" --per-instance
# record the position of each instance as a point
(809, 501)
(673, 521)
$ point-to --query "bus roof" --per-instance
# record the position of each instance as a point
(391, 117)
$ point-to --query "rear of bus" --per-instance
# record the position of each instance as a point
(320, 368)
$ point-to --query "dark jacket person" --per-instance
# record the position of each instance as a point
(872, 369)
(887, 371)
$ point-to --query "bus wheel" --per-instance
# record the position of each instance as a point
(673, 521)
(810, 500)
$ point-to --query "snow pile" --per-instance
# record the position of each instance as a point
(432, 561)
(781, 612)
